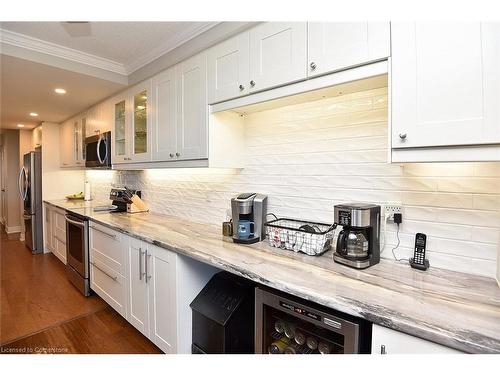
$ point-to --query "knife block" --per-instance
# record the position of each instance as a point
(137, 205)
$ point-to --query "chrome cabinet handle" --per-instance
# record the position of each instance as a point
(402, 136)
(382, 349)
(252, 83)
(146, 256)
(140, 263)
(104, 272)
(312, 65)
(80, 224)
(241, 87)
(171, 155)
(113, 236)
(177, 154)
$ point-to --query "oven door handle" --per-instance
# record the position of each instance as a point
(78, 223)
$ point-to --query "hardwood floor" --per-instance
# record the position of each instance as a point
(40, 308)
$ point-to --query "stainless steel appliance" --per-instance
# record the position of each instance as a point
(98, 151)
(358, 243)
(249, 211)
(77, 251)
(223, 316)
(30, 189)
(286, 324)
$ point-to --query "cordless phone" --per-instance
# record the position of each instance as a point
(418, 261)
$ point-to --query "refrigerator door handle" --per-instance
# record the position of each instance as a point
(20, 181)
(26, 183)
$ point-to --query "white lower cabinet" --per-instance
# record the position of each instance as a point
(59, 234)
(388, 341)
(150, 286)
(108, 267)
(138, 288)
(49, 231)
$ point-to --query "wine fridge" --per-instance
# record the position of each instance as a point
(286, 324)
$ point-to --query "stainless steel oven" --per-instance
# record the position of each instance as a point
(286, 324)
(77, 251)
(98, 151)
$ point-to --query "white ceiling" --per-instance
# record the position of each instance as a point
(28, 81)
(27, 86)
(132, 44)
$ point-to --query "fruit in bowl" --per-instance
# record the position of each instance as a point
(75, 196)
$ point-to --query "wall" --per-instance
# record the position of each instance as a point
(308, 157)
(11, 163)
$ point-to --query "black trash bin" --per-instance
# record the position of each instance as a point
(224, 316)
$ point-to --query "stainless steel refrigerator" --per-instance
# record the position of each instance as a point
(30, 189)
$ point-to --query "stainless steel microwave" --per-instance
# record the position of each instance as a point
(98, 151)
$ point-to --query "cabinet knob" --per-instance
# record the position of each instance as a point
(402, 136)
(312, 65)
(177, 154)
(241, 87)
(171, 155)
(252, 83)
(382, 349)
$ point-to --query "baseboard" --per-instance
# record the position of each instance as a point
(15, 229)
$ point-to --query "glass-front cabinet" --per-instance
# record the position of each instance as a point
(132, 125)
(120, 136)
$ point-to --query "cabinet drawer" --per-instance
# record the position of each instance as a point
(106, 246)
(109, 285)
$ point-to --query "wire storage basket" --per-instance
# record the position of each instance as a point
(299, 235)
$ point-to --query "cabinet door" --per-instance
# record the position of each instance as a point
(445, 84)
(192, 122)
(49, 236)
(339, 45)
(140, 126)
(228, 69)
(164, 135)
(66, 144)
(278, 54)
(120, 133)
(82, 133)
(138, 301)
(388, 341)
(163, 299)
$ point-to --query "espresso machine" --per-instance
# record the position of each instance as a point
(248, 211)
(358, 243)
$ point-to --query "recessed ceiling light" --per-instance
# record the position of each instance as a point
(60, 91)
(33, 114)
(20, 125)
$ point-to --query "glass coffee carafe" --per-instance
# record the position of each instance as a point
(353, 243)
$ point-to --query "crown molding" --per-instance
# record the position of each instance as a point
(33, 44)
(180, 39)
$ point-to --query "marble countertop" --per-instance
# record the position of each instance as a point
(455, 309)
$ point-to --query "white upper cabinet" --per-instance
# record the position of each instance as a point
(228, 69)
(140, 122)
(339, 45)
(72, 142)
(445, 84)
(192, 109)
(132, 125)
(164, 100)
(278, 54)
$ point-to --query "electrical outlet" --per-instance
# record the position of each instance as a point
(391, 209)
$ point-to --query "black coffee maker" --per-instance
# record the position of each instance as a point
(358, 243)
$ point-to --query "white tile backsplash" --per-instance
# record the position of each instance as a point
(308, 157)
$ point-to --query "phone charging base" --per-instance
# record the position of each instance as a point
(421, 267)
